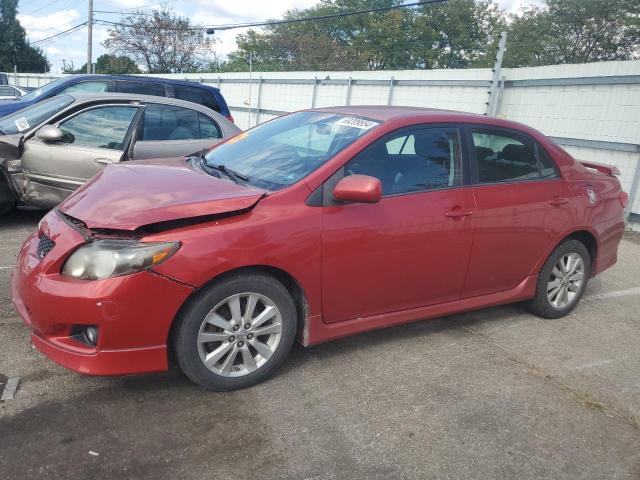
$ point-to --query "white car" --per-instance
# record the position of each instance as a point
(11, 92)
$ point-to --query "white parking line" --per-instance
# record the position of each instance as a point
(616, 293)
(6, 267)
(10, 388)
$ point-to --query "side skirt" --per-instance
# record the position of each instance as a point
(316, 331)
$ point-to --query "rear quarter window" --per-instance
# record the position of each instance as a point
(140, 88)
(196, 95)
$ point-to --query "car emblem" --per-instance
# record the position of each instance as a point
(592, 195)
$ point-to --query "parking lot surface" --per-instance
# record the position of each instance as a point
(496, 393)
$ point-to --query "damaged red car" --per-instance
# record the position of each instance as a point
(313, 226)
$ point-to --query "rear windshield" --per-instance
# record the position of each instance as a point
(44, 89)
(27, 118)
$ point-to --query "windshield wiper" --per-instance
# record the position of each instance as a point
(237, 177)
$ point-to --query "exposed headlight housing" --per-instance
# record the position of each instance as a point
(102, 259)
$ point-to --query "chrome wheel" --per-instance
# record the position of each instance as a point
(239, 334)
(565, 281)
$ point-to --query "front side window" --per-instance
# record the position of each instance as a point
(102, 127)
(420, 160)
(503, 157)
(87, 87)
(168, 122)
(281, 152)
(27, 118)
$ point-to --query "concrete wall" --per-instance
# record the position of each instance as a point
(593, 110)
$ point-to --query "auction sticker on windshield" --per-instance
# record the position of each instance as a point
(356, 122)
(22, 124)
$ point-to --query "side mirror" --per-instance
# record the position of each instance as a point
(358, 189)
(49, 133)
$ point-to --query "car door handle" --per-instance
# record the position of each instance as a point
(103, 161)
(557, 201)
(458, 212)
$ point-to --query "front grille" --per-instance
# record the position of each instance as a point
(45, 245)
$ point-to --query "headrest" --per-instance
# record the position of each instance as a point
(432, 146)
(517, 153)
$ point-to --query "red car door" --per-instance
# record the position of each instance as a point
(522, 207)
(412, 248)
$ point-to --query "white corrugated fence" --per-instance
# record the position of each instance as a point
(592, 110)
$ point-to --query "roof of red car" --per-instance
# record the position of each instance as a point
(385, 113)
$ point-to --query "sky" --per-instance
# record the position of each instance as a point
(44, 18)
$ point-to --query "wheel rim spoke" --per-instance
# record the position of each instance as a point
(251, 306)
(208, 337)
(225, 369)
(231, 342)
(267, 330)
(268, 313)
(217, 354)
(216, 320)
(234, 306)
(248, 360)
(262, 348)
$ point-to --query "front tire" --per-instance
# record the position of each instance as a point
(236, 332)
(562, 280)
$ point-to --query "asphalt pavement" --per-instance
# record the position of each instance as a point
(496, 393)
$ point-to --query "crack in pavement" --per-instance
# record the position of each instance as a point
(584, 398)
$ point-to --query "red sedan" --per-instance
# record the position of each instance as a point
(313, 226)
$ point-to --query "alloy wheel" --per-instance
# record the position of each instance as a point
(239, 334)
(565, 281)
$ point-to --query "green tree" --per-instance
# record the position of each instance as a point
(115, 64)
(574, 31)
(162, 42)
(14, 48)
(456, 34)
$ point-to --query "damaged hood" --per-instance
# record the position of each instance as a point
(128, 196)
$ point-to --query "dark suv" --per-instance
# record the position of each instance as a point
(194, 92)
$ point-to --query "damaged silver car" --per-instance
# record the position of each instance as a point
(50, 149)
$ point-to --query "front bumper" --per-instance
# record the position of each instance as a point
(133, 313)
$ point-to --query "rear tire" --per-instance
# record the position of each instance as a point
(562, 280)
(236, 332)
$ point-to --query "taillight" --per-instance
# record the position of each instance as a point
(624, 199)
(230, 118)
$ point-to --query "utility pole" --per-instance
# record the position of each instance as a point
(89, 37)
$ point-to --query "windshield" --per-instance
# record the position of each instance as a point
(32, 116)
(43, 90)
(281, 152)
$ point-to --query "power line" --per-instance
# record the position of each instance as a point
(41, 8)
(64, 32)
(125, 11)
(292, 20)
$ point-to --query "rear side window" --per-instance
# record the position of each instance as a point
(87, 87)
(208, 128)
(6, 91)
(140, 88)
(503, 157)
(168, 122)
(196, 95)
